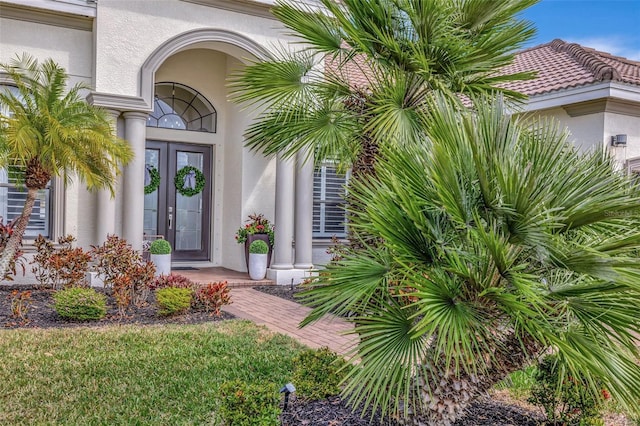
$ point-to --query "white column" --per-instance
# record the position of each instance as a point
(284, 214)
(106, 203)
(304, 211)
(133, 180)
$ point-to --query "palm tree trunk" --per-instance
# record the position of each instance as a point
(18, 231)
(444, 396)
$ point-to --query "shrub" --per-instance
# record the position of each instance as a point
(82, 304)
(259, 247)
(243, 404)
(60, 267)
(171, 280)
(172, 301)
(565, 399)
(317, 373)
(212, 296)
(124, 271)
(160, 247)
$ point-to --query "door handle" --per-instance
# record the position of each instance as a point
(170, 220)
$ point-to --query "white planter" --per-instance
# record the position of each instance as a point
(163, 263)
(257, 266)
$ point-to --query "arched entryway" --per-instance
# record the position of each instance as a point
(194, 124)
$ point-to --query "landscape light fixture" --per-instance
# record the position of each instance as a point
(619, 140)
(287, 390)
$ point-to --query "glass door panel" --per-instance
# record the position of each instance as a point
(152, 201)
(188, 232)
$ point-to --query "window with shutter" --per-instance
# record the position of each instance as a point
(12, 197)
(329, 217)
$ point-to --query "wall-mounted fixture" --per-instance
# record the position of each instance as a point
(619, 140)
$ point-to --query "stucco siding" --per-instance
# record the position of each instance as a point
(70, 48)
(587, 131)
(615, 124)
(129, 31)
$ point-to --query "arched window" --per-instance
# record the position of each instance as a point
(180, 107)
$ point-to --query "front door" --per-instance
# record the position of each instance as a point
(183, 220)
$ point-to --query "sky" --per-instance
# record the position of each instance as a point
(611, 26)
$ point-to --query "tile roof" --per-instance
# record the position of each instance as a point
(561, 65)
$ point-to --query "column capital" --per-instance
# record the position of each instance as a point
(135, 115)
(113, 113)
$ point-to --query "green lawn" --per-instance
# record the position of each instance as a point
(160, 375)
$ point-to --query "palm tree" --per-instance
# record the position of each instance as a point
(49, 131)
(501, 243)
(367, 69)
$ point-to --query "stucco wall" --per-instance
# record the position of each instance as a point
(128, 31)
(615, 124)
(592, 131)
(587, 131)
(70, 48)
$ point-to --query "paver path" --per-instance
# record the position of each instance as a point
(283, 316)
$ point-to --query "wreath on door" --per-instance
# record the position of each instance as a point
(151, 179)
(189, 181)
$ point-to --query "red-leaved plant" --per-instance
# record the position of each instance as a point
(212, 296)
(209, 297)
(124, 271)
(60, 267)
(20, 304)
(171, 280)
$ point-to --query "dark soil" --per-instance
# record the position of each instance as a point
(335, 412)
(40, 313)
(283, 291)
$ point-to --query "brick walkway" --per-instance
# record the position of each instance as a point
(277, 314)
(283, 316)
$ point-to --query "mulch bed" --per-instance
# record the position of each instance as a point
(42, 315)
(282, 291)
(335, 412)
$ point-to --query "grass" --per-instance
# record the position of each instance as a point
(132, 374)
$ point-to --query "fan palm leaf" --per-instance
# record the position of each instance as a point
(501, 242)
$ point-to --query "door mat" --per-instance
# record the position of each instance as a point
(184, 268)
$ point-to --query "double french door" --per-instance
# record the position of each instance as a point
(184, 221)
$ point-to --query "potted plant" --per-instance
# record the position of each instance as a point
(258, 254)
(161, 256)
(257, 227)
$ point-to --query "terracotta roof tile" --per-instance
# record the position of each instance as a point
(561, 65)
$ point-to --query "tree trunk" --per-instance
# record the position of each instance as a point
(18, 231)
(444, 396)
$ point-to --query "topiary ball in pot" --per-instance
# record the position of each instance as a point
(160, 247)
(161, 256)
(259, 247)
(258, 259)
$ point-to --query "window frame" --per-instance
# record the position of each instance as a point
(321, 202)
